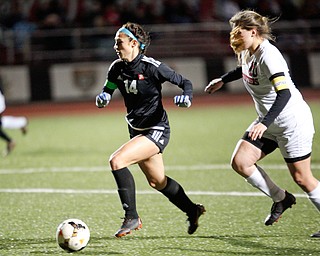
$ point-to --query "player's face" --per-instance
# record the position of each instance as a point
(124, 47)
(242, 39)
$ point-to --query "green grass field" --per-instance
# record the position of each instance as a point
(60, 170)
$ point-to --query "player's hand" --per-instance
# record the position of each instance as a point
(257, 131)
(182, 101)
(214, 85)
(103, 99)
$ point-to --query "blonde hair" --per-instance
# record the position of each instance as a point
(248, 20)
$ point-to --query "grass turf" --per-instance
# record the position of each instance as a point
(60, 170)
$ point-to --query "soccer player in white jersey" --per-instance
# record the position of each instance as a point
(284, 119)
(3, 135)
(10, 122)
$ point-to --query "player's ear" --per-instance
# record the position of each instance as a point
(134, 43)
(254, 32)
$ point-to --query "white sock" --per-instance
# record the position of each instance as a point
(314, 196)
(262, 181)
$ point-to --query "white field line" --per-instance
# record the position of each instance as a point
(143, 192)
(106, 168)
(114, 192)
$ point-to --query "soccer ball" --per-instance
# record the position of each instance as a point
(72, 235)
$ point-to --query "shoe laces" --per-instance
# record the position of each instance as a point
(126, 220)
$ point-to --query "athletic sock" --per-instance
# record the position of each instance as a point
(314, 196)
(4, 135)
(262, 181)
(126, 191)
(176, 195)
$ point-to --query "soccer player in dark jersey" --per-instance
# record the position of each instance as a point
(139, 79)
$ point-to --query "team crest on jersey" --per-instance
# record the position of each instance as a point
(140, 77)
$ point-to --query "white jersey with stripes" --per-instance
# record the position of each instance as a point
(257, 70)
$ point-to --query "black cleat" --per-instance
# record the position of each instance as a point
(316, 235)
(127, 226)
(278, 208)
(193, 218)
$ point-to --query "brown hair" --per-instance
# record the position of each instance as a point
(142, 35)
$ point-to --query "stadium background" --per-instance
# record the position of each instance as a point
(59, 50)
(59, 170)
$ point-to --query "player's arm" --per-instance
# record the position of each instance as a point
(185, 99)
(104, 98)
(217, 83)
(168, 74)
(278, 80)
(232, 75)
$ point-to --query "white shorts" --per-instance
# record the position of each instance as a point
(14, 122)
(293, 132)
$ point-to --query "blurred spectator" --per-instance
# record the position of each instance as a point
(91, 13)
(289, 9)
(269, 8)
(142, 14)
(310, 9)
(112, 15)
(179, 11)
(36, 16)
(248, 4)
(23, 30)
(225, 9)
(50, 14)
(13, 19)
(127, 13)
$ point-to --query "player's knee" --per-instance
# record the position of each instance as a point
(155, 184)
(237, 164)
(299, 180)
(242, 164)
(116, 162)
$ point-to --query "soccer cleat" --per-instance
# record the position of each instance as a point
(24, 130)
(316, 235)
(127, 226)
(10, 146)
(193, 218)
(279, 207)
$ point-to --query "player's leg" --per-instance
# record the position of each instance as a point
(15, 122)
(10, 143)
(137, 149)
(296, 149)
(302, 175)
(244, 159)
(153, 169)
